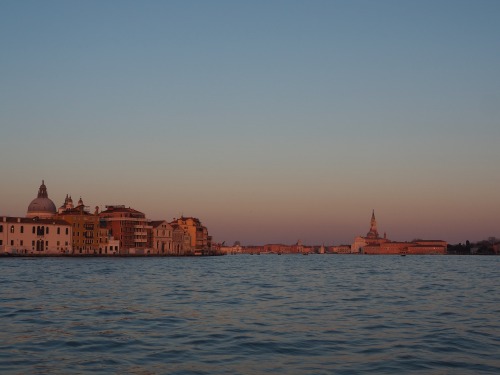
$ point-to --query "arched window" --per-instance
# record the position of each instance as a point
(11, 229)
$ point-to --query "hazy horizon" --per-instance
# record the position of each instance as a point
(271, 121)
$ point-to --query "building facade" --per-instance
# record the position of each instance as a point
(372, 244)
(86, 230)
(35, 236)
(371, 238)
(162, 237)
(128, 226)
(181, 241)
(200, 240)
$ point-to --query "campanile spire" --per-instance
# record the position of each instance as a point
(373, 233)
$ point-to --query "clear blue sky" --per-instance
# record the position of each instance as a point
(269, 120)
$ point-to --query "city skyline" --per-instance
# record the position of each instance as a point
(43, 192)
(270, 121)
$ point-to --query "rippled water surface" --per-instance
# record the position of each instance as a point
(320, 314)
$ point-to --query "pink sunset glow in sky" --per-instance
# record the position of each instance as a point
(271, 121)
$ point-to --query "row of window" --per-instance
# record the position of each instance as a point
(33, 243)
(39, 230)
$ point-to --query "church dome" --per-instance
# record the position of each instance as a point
(42, 206)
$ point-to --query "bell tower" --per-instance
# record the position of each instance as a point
(373, 233)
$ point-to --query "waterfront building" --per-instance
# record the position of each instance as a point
(298, 248)
(372, 237)
(427, 247)
(86, 230)
(162, 237)
(235, 249)
(252, 249)
(200, 240)
(129, 226)
(108, 245)
(372, 243)
(341, 249)
(35, 236)
(42, 206)
(181, 241)
(277, 249)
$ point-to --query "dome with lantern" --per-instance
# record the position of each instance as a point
(42, 206)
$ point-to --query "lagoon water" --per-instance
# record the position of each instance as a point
(290, 314)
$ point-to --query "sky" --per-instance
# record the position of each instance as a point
(271, 121)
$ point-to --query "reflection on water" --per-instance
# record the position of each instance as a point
(320, 314)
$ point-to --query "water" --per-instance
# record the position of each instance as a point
(320, 314)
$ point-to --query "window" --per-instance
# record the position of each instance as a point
(58, 230)
(11, 229)
(22, 229)
(67, 230)
(11, 242)
(1, 242)
(21, 243)
(1, 228)
(34, 229)
(58, 243)
(33, 243)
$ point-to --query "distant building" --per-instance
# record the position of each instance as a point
(372, 237)
(86, 230)
(129, 226)
(200, 240)
(34, 236)
(341, 249)
(235, 249)
(373, 244)
(181, 241)
(108, 245)
(162, 237)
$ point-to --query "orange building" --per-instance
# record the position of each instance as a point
(200, 240)
(86, 231)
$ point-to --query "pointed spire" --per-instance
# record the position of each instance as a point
(373, 233)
